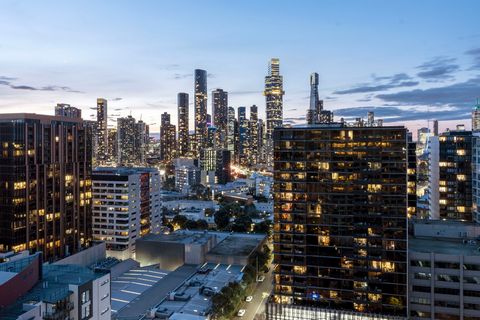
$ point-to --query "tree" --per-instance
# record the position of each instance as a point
(222, 219)
(179, 220)
(251, 210)
(242, 224)
(262, 227)
(190, 224)
(202, 224)
(169, 183)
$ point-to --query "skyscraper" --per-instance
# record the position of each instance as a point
(476, 117)
(340, 223)
(183, 135)
(243, 135)
(231, 131)
(65, 110)
(167, 138)
(102, 131)
(315, 113)
(220, 115)
(274, 103)
(126, 131)
(450, 186)
(45, 187)
(200, 109)
(253, 136)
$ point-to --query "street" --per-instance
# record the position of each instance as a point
(260, 296)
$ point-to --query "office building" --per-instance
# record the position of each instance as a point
(231, 131)
(411, 177)
(102, 131)
(220, 115)
(183, 134)
(45, 190)
(476, 177)
(200, 110)
(65, 110)
(340, 222)
(450, 177)
(167, 139)
(142, 139)
(274, 103)
(126, 206)
(215, 166)
(112, 145)
(444, 270)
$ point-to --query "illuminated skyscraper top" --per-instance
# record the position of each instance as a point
(315, 113)
(476, 117)
(274, 102)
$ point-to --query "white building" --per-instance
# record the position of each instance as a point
(186, 175)
(126, 206)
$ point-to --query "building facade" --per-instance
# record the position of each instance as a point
(183, 134)
(340, 221)
(168, 136)
(200, 110)
(274, 103)
(220, 115)
(102, 131)
(45, 191)
(126, 206)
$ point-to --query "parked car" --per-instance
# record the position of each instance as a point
(241, 312)
(261, 279)
(249, 299)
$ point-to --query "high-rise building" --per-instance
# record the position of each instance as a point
(231, 131)
(200, 110)
(315, 113)
(187, 175)
(261, 141)
(102, 131)
(435, 127)
(183, 134)
(253, 136)
(65, 110)
(215, 163)
(340, 223)
(243, 135)
(112, 145)
(450, 186)
(476, 176)
(412, 177)
(274, 103)
(126, 131)
(476, 117)
(220, 115)
(167, 138)
(142, 139)
(134, 193)
(45, 185)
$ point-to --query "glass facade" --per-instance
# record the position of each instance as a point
(340, 218)
(200, 110)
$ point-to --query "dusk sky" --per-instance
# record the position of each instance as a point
(408, 61)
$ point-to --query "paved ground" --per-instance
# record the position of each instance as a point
(257, 306)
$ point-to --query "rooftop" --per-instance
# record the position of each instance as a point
(444, 246)
(182, 236)
(40, 117)
(238, 245)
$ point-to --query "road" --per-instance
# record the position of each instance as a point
(260, 296)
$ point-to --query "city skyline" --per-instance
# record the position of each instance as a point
(144, 61)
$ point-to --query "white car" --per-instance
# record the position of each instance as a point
(261, 279)
(241, 312)
(249, 299)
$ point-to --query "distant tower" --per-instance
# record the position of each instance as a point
(231, 131)
(253, 135)
(476, 117)
(126, 131)
(243, 135)
(274, 103)
(182, 103)
(435, 128)
(167, 138)
(315, 107)
(220, 114)
(102, 132)
(200, 110)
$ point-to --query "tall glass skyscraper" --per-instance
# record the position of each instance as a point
(200, 110)
(340, 222)
(274, 103)
(183, 136)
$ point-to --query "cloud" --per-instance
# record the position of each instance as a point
(117, 99)
(178, 76)
(475, 54)
(461, 95)
(438, 69)
(211, 75)
(381, 84)
(244, 92)
(7, 81)
(294, 119)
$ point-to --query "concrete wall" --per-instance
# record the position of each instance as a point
(86, 257)
(170, 256)
(446, 230)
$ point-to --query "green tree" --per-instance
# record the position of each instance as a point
(263, 227)
(242, 224)
(222, 219)
(179, 220)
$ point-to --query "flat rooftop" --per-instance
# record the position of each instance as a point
(154, 294)
(443, 246)
(237, 245)
(181, 236)
(132, 284)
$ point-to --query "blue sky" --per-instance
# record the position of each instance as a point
(407, 60)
